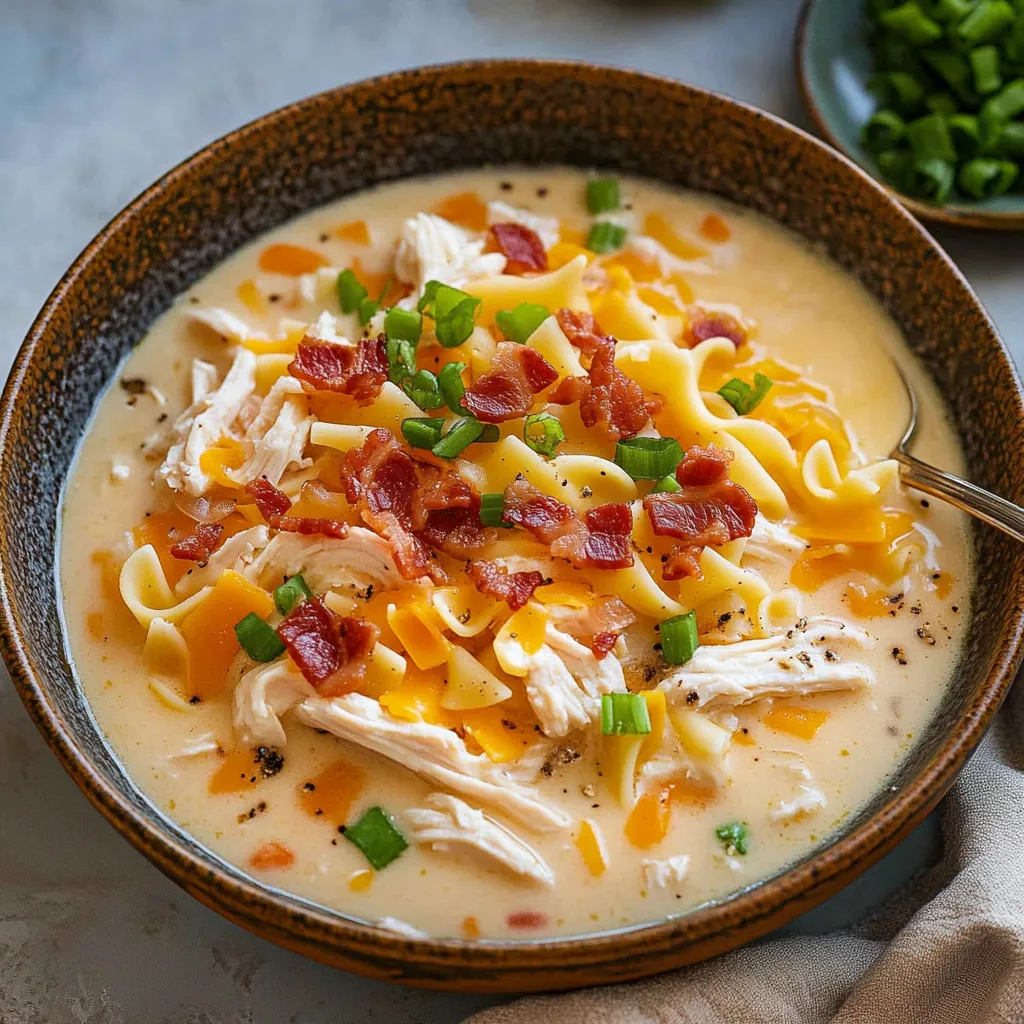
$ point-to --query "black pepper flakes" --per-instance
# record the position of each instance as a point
(692, 697)
(542, 192)
(195, 699)
(506, 186)
(271, 761)
(926, 636)
(899, 656)
(308, 787)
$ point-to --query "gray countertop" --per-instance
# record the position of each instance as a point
(96, 100)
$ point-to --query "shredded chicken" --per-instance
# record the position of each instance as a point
(771, 542)
(556, 698)
(596, 676)
(432, 751)
(119, 470)
(277, 435)
(433, 249)
(798, 661)
(808, 801)
(326, 326)
(224, 323)
(235, 553)
(318, 287)
(660, 874)
(203, 379)
(547, 229)
(448, 822)
(328, 563)
(262, 695)
(204, 423)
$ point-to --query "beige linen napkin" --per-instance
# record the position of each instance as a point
(948, 951)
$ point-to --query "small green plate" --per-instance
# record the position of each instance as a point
(833, 65)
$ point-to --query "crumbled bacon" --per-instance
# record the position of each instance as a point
(608, 398)
(359, 371)
(602, 643)
(506, 390)
(274, 506)
(703, 324)
(514, 588)
(582, 330)
(599, 541)
(200, 543)
(414, 504)
(709, 510)
(521, 246)
(330, 651)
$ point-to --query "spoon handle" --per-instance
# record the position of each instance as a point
(990, 508)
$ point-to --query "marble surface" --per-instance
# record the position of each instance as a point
(96, 100)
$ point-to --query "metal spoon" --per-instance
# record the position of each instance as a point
(989, 508)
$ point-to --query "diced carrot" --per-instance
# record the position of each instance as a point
(588, 842)
(662, 232)
(237, 771)
(271, 856)
(250, 296)
(800, 722)
(360, 881)
(209, 631)
(330, 793)
(470, 928)
(355, 231)
(866, 604)
(714, 229)
(466, 209)
(291, 260)
(163, 530)
(649, 820)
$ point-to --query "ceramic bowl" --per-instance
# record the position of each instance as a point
(432, 120)
(833, 65)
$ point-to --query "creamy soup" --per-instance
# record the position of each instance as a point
(513, 553)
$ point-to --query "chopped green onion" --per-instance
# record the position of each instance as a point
(733, 837)
(606, 237)
(257, 639)
(403, 325)
(954, 70)
(744, 398)
(909, 21)
(423, 389)
(1013, 44)
(543, 433)
(986, 22)
(491, 434)
(931, 179)
(897, 89)
(985, 67)
(944, 103)
(492, 508)
(401, 359)
(895, 54)
(375, 834)
(603, 195)
(952, 10)
(461, 434)
(290, 593)
(883, 130)
(965, 132)
(666, 485)
(354, 297)
(453, 312)
(422, 431)
(624, 714)
(1005, 105)
(895, 165)
(986, 178)
(648, 458)
(452, 387)
(518, 324)
(929, 138)
(1011, 141)
(679, 638)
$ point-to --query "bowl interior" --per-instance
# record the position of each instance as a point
(834, 65)
(433, 120)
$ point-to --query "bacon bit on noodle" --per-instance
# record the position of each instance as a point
(599, 625)
(521, 246)
(602, 540)
(506, 390)
(514, 588)
(413, 504)
(200, 543)
(274, 505)
(602, 643)
(359, 371)
(703, 324)
(608, 398)
(330, 651)
(582, 330)
(709, 510)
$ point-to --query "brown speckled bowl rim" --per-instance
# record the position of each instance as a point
(949, 213)
(493, 965)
